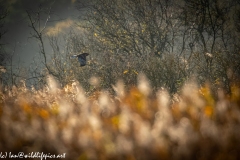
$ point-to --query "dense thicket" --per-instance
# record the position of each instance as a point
(170, 41)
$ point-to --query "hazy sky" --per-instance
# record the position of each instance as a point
(17, 38)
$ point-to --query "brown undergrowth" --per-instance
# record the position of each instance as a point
(134, 124)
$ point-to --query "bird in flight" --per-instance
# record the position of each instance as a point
(81, 58)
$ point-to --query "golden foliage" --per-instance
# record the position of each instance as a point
(137, 124)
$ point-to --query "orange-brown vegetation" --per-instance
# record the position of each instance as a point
(134, 124)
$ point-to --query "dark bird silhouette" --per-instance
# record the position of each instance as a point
(81, 58)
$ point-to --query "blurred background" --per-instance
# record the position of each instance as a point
(18, 39)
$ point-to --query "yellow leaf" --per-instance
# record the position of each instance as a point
(135, 72)
(126, 71)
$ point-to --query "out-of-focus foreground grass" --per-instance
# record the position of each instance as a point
(134, 124)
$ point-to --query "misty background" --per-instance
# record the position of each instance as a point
(17, 40)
